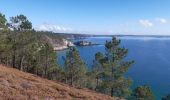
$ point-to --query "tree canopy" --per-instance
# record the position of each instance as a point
(143, 93)
(110, 68)
(75, 68)
(3, 20)
(20, 23)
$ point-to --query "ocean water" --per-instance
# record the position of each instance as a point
(151, 55)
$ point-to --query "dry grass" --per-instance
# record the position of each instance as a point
(17, 85)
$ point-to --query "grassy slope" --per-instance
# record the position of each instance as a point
(17, 85)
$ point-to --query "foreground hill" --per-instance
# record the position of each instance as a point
(17, 85)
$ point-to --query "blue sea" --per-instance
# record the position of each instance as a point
(151, 55)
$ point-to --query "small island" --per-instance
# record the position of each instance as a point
(84, 43)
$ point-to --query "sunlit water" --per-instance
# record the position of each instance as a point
(151, 55)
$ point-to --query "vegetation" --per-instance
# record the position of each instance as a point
(25, 86)
(20, 23)
(97, 69)
(25, 49)
(109, 70)
(143, 93)
(2, 21)
(75, 68)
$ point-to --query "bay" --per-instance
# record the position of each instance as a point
(151, 56)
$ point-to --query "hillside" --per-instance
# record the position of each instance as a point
(17, 85)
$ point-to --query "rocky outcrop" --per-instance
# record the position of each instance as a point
(84, 43)
(64, 45)
(58, 43)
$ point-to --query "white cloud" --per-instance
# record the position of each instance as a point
(161, 20)
(52, 27)
(146, 23)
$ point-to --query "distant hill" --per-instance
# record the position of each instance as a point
(66, 35)
(17, 85)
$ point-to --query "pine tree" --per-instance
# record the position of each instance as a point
(20, 23)
(25, 49)
(4, 48)
(143, 93)
(97, 68)
(114, 67)
(3, 20)
(75, 68)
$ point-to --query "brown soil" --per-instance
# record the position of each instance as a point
(17, 85)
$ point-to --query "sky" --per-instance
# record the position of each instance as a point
(128, 17)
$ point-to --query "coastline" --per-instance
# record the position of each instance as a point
(66, 44)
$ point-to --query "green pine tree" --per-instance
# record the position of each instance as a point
(75, 68)
(114, 66)
(143, 93)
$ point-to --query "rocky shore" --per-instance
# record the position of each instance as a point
(84, 43)
(63, 46)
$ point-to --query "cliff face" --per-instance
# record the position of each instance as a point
(65, 44)
(17, 85)
(58, 43)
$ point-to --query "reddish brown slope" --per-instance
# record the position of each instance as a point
(17, 85)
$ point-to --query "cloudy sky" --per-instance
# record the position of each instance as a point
(139, 17)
